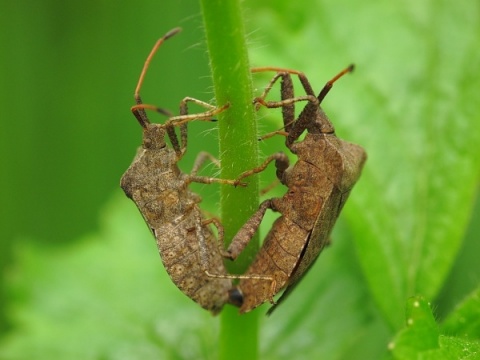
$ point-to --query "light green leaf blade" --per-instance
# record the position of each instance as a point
(452, 348)
(421, 339)
(421, 333)
(465, 319)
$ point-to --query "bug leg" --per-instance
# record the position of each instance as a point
(271, 186)
(246, 232)
(281, 163)
(207, 115)
(221, 234)
(268, 88)
(288, 98)
(184, 117)
(199, 161)
(287, 92)
(293, 127)
(234, 295)
(310, 118)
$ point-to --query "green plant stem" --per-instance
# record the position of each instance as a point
(238, 152)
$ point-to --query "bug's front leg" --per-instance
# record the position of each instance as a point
(184, 117)
(281, 164)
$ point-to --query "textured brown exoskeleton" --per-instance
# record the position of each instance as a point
(189, 250)
(318, 186)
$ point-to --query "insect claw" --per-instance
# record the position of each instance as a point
(239, 183)
(258, 102)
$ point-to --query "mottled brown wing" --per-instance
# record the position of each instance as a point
(318, 239)
(278, 258)
(353, 158)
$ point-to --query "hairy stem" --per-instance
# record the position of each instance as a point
(238, 152)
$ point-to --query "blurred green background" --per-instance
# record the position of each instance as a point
(69, 70)
(68, 73)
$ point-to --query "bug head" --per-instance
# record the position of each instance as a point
(154, 136)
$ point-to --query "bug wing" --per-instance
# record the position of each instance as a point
(292, 285)
(318, 239)
(352, 159)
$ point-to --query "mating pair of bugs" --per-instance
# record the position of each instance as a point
(318, 186)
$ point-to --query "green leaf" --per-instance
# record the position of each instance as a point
(421, 333)
(453, 349)
(465, 319)
(413, 104)
(421, 339)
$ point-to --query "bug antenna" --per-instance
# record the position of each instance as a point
(139, 112)
(157, 45)
(330, 83)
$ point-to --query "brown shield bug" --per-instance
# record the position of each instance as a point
(189, 251)
(318, 186)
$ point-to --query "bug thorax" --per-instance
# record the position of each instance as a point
(154, 136)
